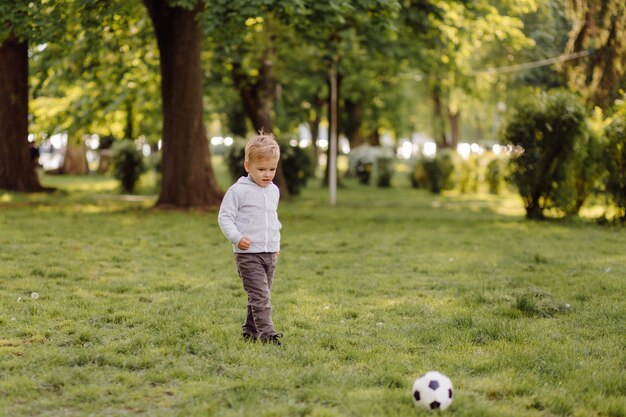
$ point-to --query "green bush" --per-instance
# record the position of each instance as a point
(385, 171)
(434, 174)
(365, 161)
(127, 163)
(495, 175)
(364, 171)
(297, 164)
(234, 157)
(615, 161)
(467, 174)
(588, 169)
(550, 130)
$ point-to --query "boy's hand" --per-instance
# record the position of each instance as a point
(244, 243)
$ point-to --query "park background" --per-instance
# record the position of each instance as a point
(472, 223)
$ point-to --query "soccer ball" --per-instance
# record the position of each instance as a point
(432, 391)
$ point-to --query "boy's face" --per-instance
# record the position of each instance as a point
(262, 170)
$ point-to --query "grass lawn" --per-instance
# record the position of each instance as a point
(108, 308)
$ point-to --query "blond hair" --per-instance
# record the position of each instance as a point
(262, 146)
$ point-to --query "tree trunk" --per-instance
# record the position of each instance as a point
(75, 158)
(374, 137)
(314, 123)
(257, 99)
(187, 179)
(17, 171)
(439, 126)
(325, 180)
(597, 26)
(353, 126)
(129, 132)
(453, 117)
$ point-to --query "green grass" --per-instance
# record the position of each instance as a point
(139, 311)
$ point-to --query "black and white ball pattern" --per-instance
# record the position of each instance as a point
(433, 391)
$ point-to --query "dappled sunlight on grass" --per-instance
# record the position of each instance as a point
(90, 183)
(87, 194)
(6, 198)
(141, 309)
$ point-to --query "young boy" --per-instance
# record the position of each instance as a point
(248, 218)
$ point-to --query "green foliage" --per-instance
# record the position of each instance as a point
(99, 75)
(297, 164)
(588, 170)
(252, 44)
(495, 174)
(234, 157)
(34, 21)
(550, 133)
(467, 174)
(14, 16)
(434, 174)
(127, 163)
(599, 28)
(547, 27)
(615, 162)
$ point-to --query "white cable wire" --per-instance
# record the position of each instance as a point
(535, 64)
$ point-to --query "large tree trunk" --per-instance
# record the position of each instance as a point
(17, 171)
(187, 179)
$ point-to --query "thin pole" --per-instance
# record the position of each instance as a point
(332, 167)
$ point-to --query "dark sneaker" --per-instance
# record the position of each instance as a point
(272, 339)
(247, 337)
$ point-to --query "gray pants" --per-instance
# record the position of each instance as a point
(257, 272)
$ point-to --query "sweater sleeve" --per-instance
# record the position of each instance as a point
(227, 215)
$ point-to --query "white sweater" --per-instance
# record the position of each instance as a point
(250, 210)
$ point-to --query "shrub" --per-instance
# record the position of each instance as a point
(234, 157)
(615, 161)
(587, 172)
(365, 161)
(418, 175)
(467, 174)
(434, 174)
(297, 164)
(495, 175)
(385, 171)
(364, 171)
(127, 163)
(550, 129)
